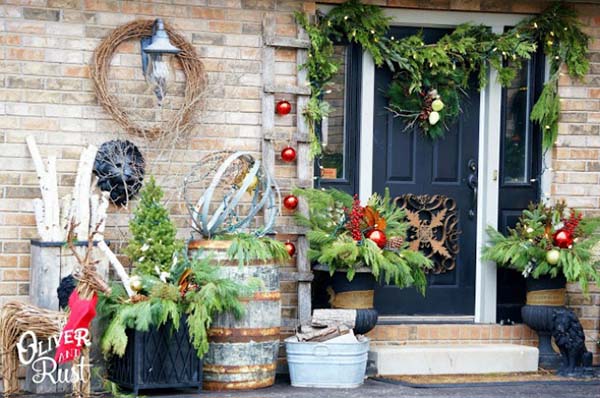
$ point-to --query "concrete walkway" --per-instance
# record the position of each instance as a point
(375, 389)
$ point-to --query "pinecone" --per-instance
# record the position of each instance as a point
(139, 297)
(395, 242)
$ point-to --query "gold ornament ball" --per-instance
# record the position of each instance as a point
(437, 105)
(135, 283)
(552, 256)
(434, 117)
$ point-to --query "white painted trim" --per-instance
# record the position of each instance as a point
(367, 105)
(487, 200)
(546, 177)
(489, 136)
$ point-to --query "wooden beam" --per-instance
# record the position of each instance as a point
(296, 276)
(286, 42)
(286, 89)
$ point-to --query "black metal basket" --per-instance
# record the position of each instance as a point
(158, 359)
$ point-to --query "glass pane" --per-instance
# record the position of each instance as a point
(333, 129)
(516, 130)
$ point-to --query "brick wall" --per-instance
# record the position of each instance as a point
(45, 91)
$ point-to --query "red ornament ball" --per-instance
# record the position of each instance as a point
(288, 154)
(283, 107)
(563, 239)
(291, 248)
(377, 236)
(290, 202)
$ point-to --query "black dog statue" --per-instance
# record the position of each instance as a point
(119, 166)
(570, 339)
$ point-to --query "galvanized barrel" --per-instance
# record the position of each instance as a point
(243, 352)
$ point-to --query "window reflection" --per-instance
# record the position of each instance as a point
(333, 129)
(516, 129)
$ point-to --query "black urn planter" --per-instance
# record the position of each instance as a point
(357, 294)
(544, 295)
(157, 359)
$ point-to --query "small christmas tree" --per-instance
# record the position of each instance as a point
(153, 241)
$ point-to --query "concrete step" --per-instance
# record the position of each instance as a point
(424, 359)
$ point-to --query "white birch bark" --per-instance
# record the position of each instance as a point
(118, 267)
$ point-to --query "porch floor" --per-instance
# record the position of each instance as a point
(372, 389)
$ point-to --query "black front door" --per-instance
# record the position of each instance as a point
(442, 176)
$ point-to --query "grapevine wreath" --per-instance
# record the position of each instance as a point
(192, 68)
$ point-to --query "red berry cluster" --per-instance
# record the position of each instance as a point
(572, 222)
(356, 216)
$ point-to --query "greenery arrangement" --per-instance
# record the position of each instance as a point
(548, 240)
(345, 236)
(168, 284)
(196, 290)
(429, 79)
(153, 240)
(247, 247)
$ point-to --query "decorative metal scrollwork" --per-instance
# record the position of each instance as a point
(433, 228)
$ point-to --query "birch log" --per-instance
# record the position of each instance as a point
(333, 317)
(52, 207)
(65, 213)
(102, 211)
(118, 267)
(81, 193)
(42, 180)
(38, 209)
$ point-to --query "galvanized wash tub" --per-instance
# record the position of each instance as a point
(327, 365)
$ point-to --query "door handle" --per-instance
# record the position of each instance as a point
(472, 183)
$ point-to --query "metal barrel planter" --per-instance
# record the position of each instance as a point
(243, 352)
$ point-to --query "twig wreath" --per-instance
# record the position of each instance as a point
(192, 68)
(429, 79)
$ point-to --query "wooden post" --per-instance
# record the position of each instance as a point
(303, 275)
(305, 174)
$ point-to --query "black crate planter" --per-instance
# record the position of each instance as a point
(158, 359)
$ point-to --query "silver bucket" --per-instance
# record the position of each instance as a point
(327, 365)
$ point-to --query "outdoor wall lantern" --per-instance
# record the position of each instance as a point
(155, 58)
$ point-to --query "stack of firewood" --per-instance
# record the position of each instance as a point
(329, 325)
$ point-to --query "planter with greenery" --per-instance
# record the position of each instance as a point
(550, 246)
(360, 245)
(156, 338)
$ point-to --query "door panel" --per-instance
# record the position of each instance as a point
(408, 162)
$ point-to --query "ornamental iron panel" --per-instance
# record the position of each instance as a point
(433, 228)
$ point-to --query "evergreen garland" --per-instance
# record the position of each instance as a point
(332, 241)
(153, 240)
(426, 72)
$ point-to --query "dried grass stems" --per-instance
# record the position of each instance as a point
(193, 69)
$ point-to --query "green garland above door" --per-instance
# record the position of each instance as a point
(429, 79)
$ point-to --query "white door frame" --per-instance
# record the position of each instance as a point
(489, 138)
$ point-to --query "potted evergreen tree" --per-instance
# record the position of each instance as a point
(358, 245)
(156, 338)
(550, 246)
